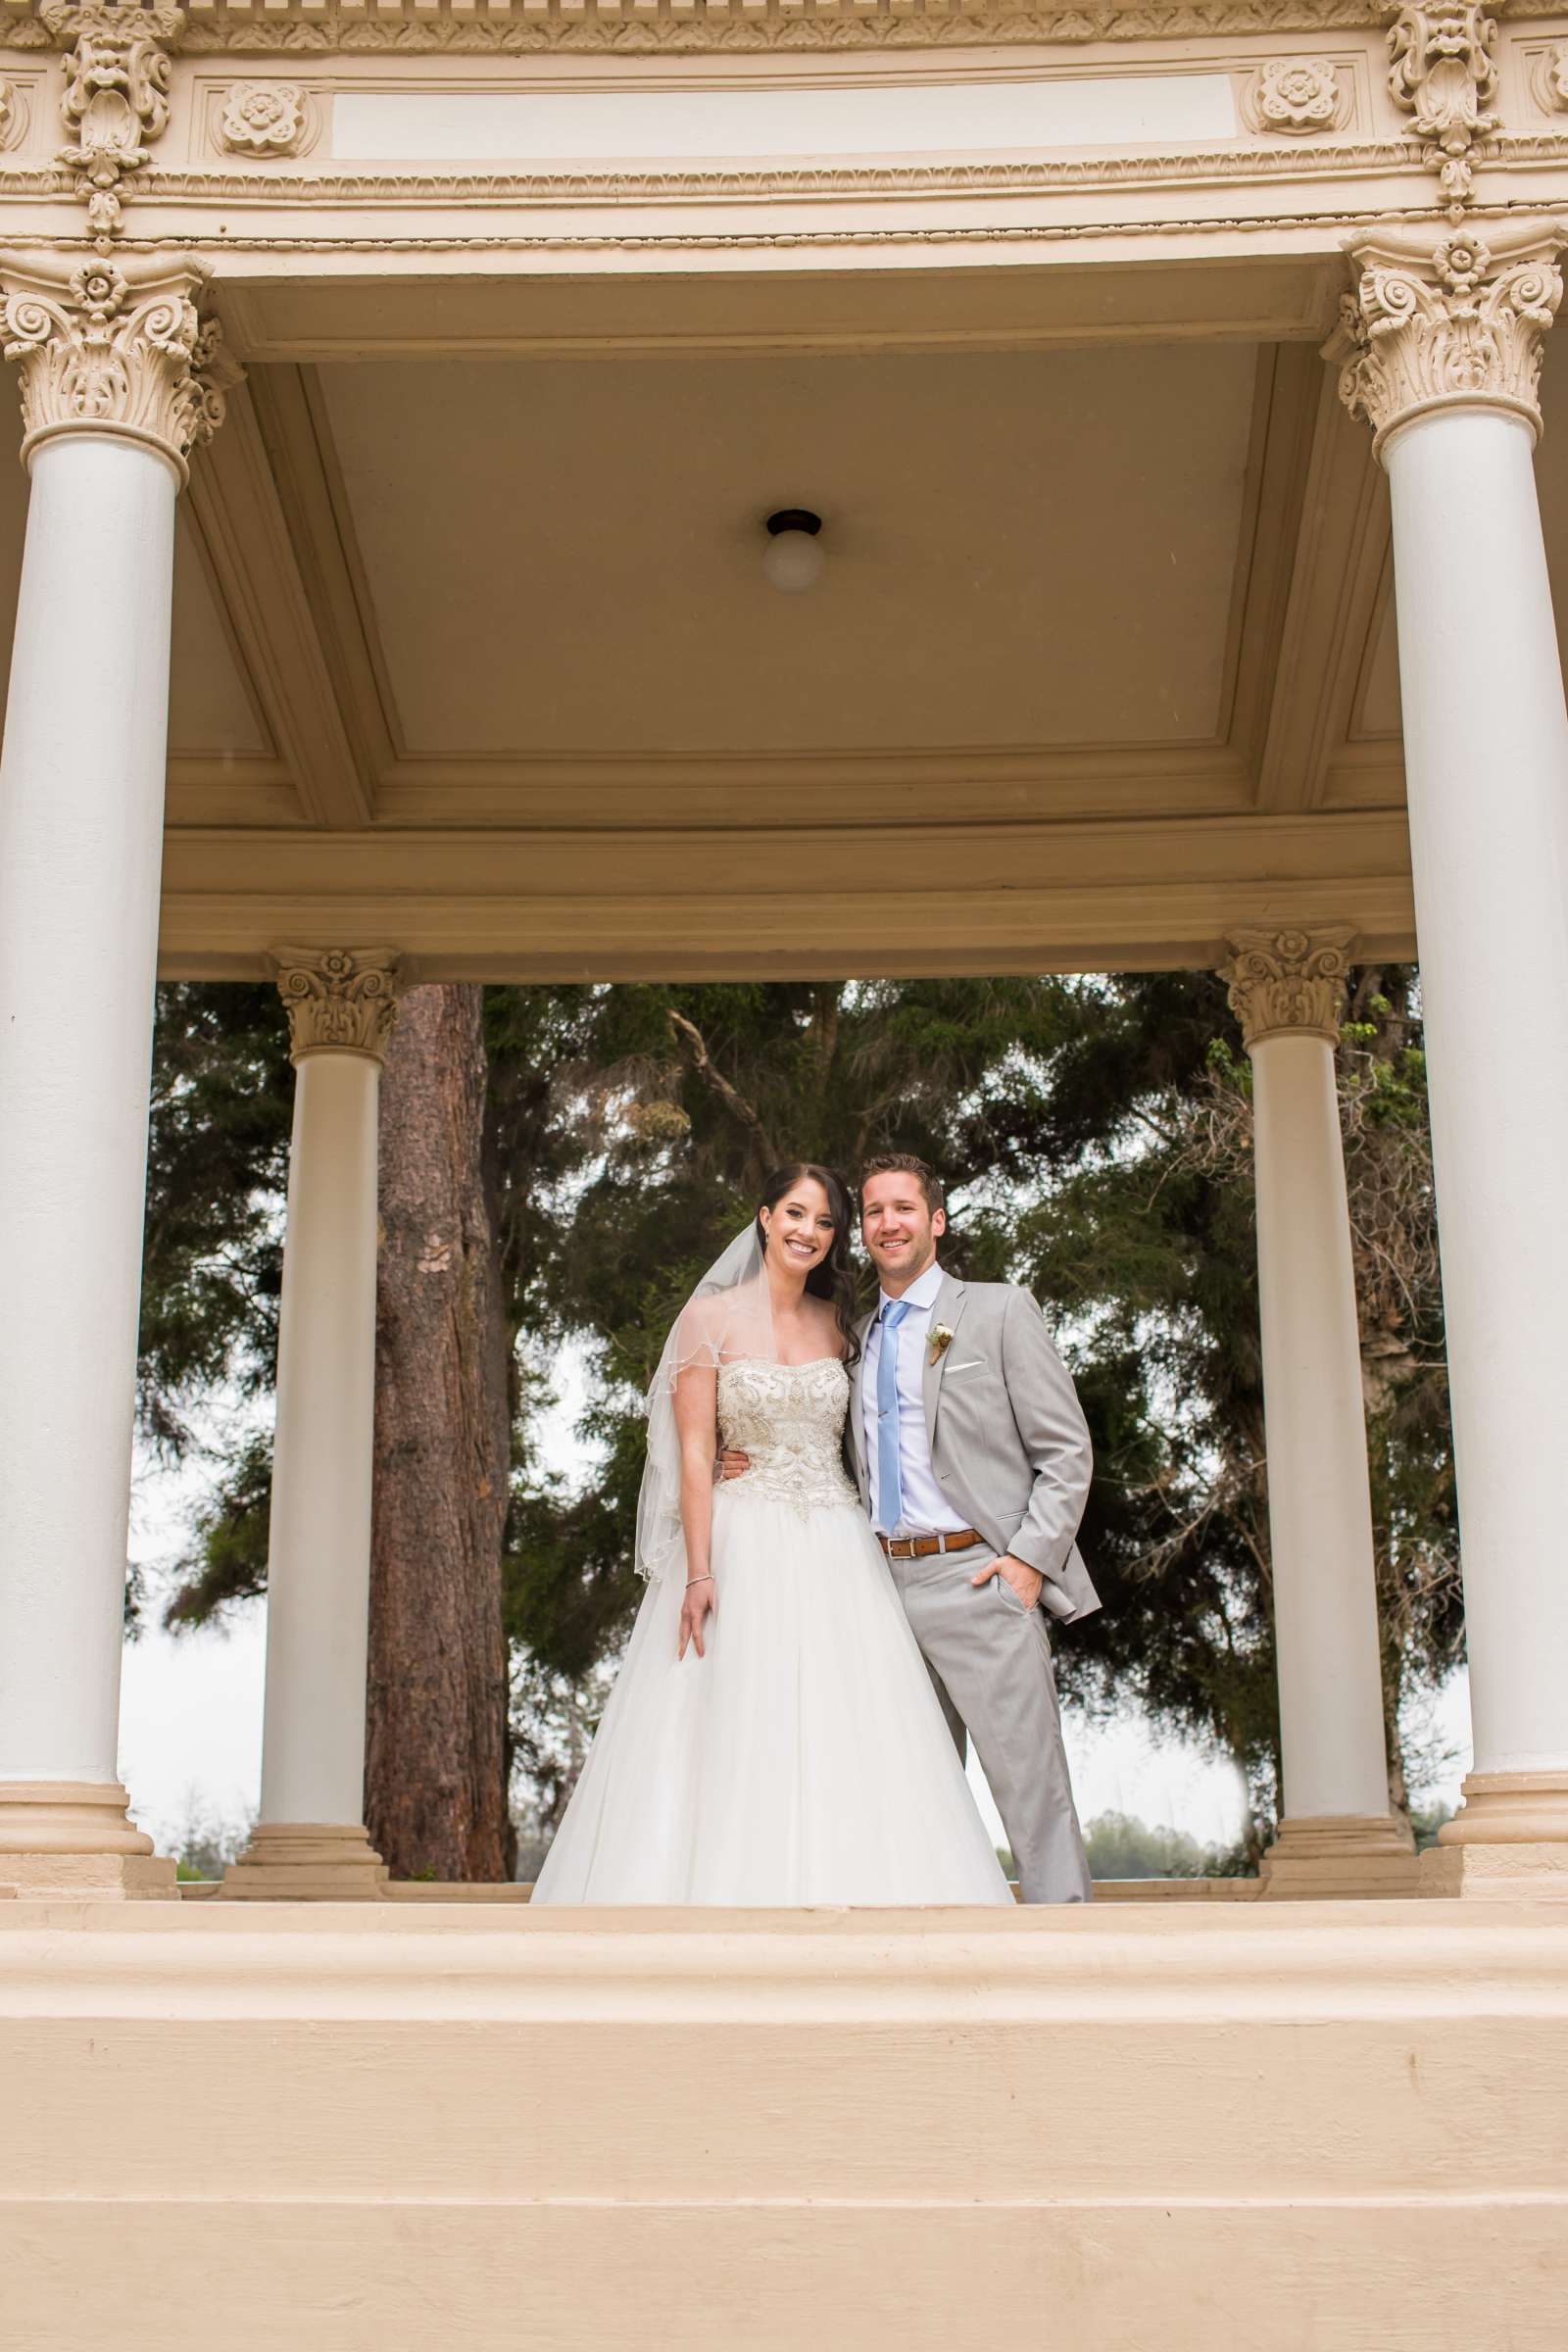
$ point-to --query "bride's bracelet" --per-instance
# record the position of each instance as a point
(698, 1579)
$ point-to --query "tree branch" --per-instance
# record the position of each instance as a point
(718, 1084)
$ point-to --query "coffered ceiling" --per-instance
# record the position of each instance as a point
(476, 653)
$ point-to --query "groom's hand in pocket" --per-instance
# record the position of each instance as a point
(733, 1464)
(1026, 1581)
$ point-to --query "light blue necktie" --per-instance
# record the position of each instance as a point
(889, 1491)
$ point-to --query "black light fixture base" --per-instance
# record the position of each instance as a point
(793, 518)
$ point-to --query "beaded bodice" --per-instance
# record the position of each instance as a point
(789, 1419)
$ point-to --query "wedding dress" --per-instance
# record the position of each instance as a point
(805, 1758)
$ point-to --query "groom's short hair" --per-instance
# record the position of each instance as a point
(904, 1163)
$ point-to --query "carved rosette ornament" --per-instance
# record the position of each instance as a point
(1287, 983)
(1548, 78)
(1454, 326)
(339, 999)
(1295, 94)
(263, 117)
(106, 352)
(116, 98)
(1443, 72)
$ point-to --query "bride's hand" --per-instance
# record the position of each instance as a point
(698, 1607)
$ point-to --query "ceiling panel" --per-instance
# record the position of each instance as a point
(211, 715)
(1025, 549)
(1377, 715)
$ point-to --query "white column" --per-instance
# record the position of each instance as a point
(110, 414)
(1336, 1834)
(1443, 351)
(311, 1840)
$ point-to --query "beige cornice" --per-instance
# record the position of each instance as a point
(104, 350)
(300, 26)
(1454, 323)
(568, 185)
(564, 904)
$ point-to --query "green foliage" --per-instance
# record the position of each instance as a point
(1121, 1846)
(218, 1167)
(1095, 1136)
(226, 1559)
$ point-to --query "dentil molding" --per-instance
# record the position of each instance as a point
(103, 350)
(1443, 72)
(115, 102)
(1454, 325)
(339, 999)
(1287, 983)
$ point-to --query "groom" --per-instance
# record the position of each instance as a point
(972, 1456)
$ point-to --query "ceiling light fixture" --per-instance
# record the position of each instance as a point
(794, 556)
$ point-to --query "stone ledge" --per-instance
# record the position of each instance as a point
(1208, 2127)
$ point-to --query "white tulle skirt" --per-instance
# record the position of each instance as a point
(803, 1760)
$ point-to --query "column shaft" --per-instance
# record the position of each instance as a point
(81, 794)
(312, 1755)
(1319, 1500)
(1337, 1835)
(1487, 764)
(1487, 757)
(310, 1838)
(1440, 348)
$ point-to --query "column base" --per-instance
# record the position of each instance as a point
(1323, 1857)
(1508, 1840)
(305, 1862)
(75, 1838)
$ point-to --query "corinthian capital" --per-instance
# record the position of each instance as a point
(1456, 325)
(1287, 983)
(107, 353)
(339, 999)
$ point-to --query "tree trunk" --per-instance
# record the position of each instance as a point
(436, 1753)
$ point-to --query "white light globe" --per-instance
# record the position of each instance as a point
(794, 559)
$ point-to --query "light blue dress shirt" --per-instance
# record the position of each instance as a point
(926, 1509)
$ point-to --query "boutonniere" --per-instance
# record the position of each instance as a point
(940, 1342)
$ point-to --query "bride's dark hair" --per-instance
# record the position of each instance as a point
(833, 1278)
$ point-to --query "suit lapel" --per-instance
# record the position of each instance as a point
(857, 1409)
(948, 1308)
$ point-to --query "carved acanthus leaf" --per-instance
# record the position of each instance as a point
(1287, 982)
(1457, 324)
(339, 999)
(115, 100)
(1443, 72)
(112, 352)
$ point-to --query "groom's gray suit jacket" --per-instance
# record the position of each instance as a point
(1009, 1445)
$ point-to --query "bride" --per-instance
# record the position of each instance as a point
(773, 1736)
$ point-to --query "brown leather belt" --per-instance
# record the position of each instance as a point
(923, 1548)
